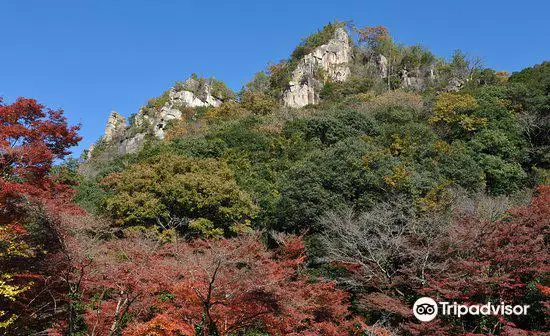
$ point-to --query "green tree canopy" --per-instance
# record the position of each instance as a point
(171, 185)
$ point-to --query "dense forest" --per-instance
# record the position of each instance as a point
(255, 218)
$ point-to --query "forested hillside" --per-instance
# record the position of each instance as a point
(324, 198)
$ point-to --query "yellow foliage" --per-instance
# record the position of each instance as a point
(471, 123)
(269, 128)
(238, 227)
(151, 232)
(9, 292)
(399, 176)
(369, 159)
(229, 110)
(206, 227)
(364, 97)
(180, 128)
(11, 244)
(168, 236)
(456, 108)
(503, 76)
(397, 145)
(366, 138)
(8, 322)
(401, 145)
(170, 184)
(514, 107)
(258, 103)
(397, 98)
(435, 199)
(449, 104)
(440, 146)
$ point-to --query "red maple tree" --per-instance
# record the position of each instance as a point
(218, 287)
(499, 261)
(31, 139)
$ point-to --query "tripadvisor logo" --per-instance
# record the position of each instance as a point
(426, 309)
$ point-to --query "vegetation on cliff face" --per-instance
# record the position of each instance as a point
(253, 219)
(281, 73)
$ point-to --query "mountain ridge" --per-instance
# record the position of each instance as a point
(329, 57)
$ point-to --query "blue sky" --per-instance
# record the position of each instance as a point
(90, 57)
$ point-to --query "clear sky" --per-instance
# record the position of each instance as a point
(89, 57)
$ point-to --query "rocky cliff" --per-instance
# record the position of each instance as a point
(153, 118)
(417, 79)
(194, 92)
(116, 124)
(328, 61)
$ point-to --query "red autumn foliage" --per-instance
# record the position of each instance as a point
(208, 287)
(373, 36)
(163, 325)
(31, 139)
(501, 261)
(497, 258)
(467, 259)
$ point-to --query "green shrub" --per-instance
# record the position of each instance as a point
(315, 40)
(170, 185)
(258, 102)
(90, 195)
(158, 102)
(329, 179)
(258, 84)
(336, 91)
(502, 177)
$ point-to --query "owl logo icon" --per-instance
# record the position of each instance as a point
(425, 309)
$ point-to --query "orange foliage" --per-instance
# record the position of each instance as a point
(373, 36)
(224, 286)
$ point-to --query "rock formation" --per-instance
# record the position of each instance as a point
(194, 92)
(90, 151)
(331, 61)
(116, 124)
(411, 81)
(131, 144)
(332, 58)
(454, 84)
(382, 64)
(417, 79)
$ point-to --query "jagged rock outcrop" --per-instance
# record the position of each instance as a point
(131, 144)
(90, 151)
(332, 58)
(454, 85)
(303, 78)
(377, 64)
(302, 94)
(116, 124)
(411, 81)
(193, 92)
(418, 79)
(382, 64)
